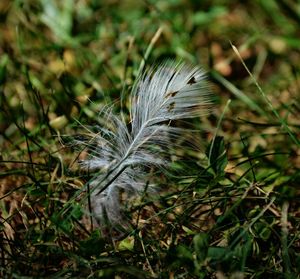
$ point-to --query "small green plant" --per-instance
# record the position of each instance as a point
(228, 208)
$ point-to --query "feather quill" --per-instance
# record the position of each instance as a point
(165, 93)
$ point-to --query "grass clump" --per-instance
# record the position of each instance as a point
(229, 211)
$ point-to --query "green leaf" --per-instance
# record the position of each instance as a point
(76, 211)
(92, 246)
(184, 252)
(204, 178)
(217, 253)
(59, 19)
(65, 224)
(127, 244)
(217, 155)
(204, 18)
(3, 64)
(201, 245)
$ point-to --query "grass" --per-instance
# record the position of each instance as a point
(229, 211)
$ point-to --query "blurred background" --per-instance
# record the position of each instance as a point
(62, 61)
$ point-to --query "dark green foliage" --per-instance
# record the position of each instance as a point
(217, 156)
(230, 210)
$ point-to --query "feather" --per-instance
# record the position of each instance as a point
(120, 154)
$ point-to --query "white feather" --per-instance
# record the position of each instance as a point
(162, 94)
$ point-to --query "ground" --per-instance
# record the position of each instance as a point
(226, 207)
